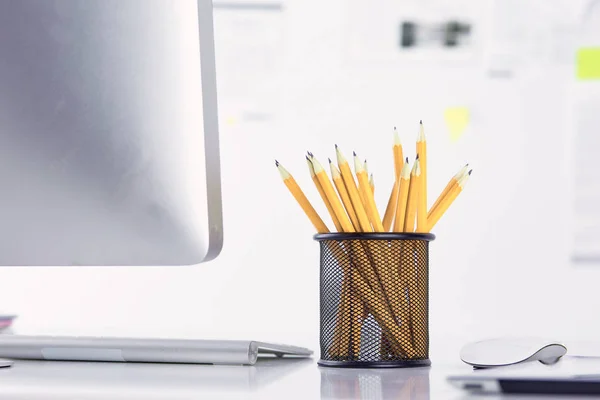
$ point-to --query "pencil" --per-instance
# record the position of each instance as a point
(398, 155)
(353, 192)
(390, 210)
(371, 182)
(447, 201)
(422, 201)
(402, 197)
(343, 192)
(363, 186)
(348, 309)
(308, 209)
(311, 169)
(453, 181)
(366, 167)
(333, 198)
(413, 197)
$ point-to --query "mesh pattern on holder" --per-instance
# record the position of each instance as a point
(374, 299)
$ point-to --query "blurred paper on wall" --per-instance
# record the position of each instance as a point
(533, 33)
(585, 164)
(249, 45)
(410, 30)
(586, 181)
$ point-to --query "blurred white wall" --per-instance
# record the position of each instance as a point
(500, 263)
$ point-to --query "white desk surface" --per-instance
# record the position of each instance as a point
(273, 379)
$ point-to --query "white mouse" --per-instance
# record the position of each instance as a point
(508, 351)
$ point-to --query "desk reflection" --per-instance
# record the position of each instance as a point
(393, 383)
(151, 377)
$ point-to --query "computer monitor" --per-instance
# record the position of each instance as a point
(109, 150)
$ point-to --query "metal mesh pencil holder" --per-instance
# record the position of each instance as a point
(374, 299)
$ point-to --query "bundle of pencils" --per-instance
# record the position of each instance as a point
(349, 200)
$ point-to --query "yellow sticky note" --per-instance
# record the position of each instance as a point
(588, 63)
(457, 120)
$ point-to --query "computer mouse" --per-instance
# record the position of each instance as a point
(508, 351)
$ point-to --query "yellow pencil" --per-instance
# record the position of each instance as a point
(365, 166)
(398, 155)
(448, 200)
(308, 209)
(413, 197)
(453, 182)
(350, 309)
(333, 198)
(311, 169)
(353, 192)
(363, 186)
(390, 210)
(343, 192)
(402, 197)
(372, 184)
(422, 201)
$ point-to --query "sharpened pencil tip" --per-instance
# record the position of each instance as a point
(276, 163)
(417, 157)
(407, 159)
(307, 158)
(354, 153)
(310, 154)
(329, 160)
(421, 122)
(470, 172)
(336, 146)
(394, 128)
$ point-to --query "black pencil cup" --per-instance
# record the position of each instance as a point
(374, 299)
